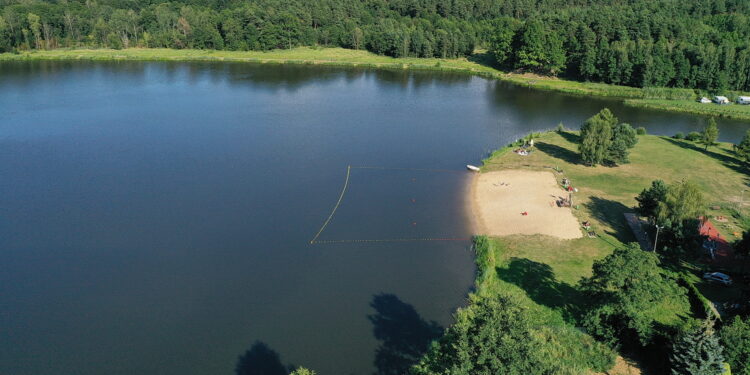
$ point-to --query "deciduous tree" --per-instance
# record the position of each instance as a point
(710, 134)
(626, 290)
(596, 137)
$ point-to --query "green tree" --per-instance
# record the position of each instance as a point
(538, 49)
(36, 29)
(743, 148)
(649, 199)
(735, 337)
(502, 39)
(697, 352)
(302, 371)
(623, 139)
(684, 201)
(626, 291)
(495, 337)
(710, 134)
(499, 334)
(596, 137)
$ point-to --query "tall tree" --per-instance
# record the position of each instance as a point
(649, 199)
(538, 49)
(596, 137)
(36, 29)
(684, 201)
(697, 352)
(625, 290)
(624, 138)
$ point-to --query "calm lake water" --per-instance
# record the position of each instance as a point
(155, 218)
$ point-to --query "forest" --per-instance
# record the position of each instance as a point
(641, 43)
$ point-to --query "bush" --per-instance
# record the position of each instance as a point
(560, 128)
(693, 136)
(678, 135)
(640, 130)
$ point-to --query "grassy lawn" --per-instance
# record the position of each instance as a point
(671, 99)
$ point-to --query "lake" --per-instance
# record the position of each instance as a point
(157, 217)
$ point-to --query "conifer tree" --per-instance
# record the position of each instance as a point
(697, 352)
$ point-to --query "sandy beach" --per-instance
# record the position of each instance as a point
(500, 199)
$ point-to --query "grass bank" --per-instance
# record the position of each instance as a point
(670, 99)
(736, 111)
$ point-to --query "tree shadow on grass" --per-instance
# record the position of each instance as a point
(404, 336)
(539, 282)
(612, 213)
(261, 360)
(728, 161)
(570, 137)
(558, 152)
(485, 59)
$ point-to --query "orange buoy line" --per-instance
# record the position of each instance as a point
(410, 169)
(388, 240)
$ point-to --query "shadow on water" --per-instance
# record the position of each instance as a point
(404, 336)
(540, 284)
(261, 360)
(728, 161)
(558, 152)
(612, 213)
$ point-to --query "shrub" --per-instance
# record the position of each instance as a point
(678, 135)
(560, 128)
(693, 136)
(640, 130)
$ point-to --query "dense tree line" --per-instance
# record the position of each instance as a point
(644, 43)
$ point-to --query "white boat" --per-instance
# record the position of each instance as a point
(472, 168)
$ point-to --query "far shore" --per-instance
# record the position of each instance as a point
(666, 99)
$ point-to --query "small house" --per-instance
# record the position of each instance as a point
(721, 100)
(704, 100)
(743, 100)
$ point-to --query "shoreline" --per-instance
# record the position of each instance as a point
(471, 207)
(664, 99)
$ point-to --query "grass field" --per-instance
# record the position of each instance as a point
(670, 99)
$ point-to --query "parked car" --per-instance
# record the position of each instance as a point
(717, 277)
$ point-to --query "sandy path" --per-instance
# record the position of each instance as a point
(499, 198)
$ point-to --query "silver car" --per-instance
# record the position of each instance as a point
(718, 277)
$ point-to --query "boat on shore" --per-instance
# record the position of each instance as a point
(472, 168)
